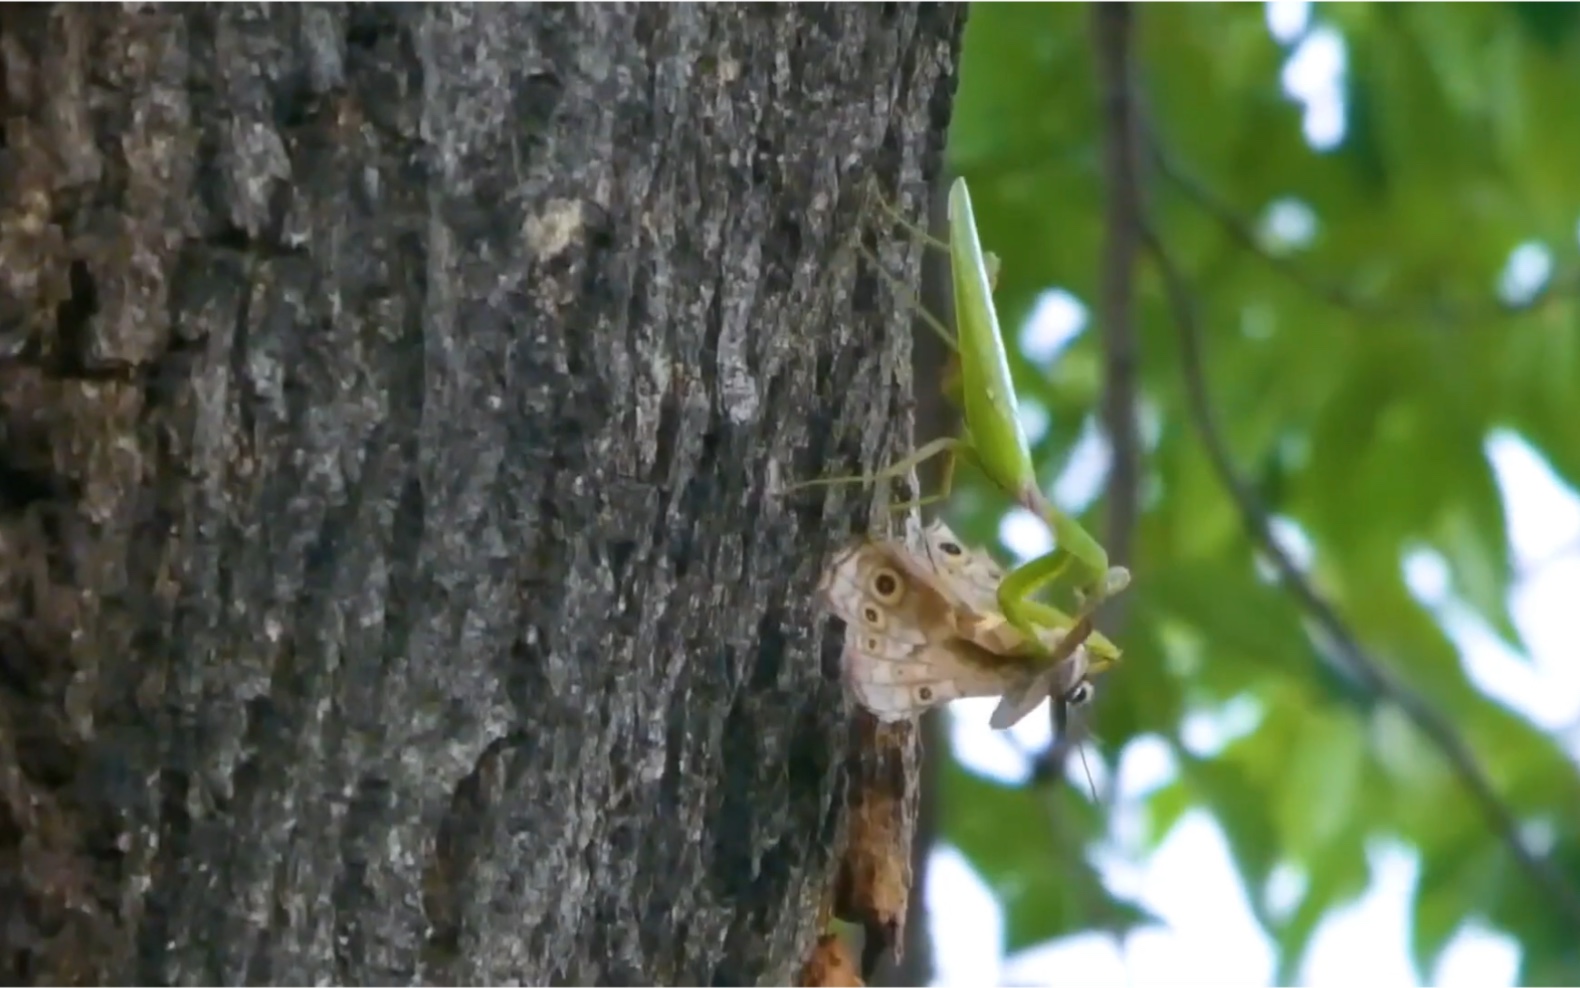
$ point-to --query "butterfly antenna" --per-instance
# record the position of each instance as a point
(1087, 734)
(1080, 749)
(1074, 730)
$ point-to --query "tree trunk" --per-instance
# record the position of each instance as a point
(394, 586)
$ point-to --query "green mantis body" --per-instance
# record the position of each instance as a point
(996, 444)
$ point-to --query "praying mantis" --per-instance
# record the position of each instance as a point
(995, 443)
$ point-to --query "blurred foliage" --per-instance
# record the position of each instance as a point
(1357, 377)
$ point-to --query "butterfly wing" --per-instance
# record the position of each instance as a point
(970, 578)
(1064, 681)
(973, 574)
(923, 628)
(903, 653)
(929, 677)
(876, 586)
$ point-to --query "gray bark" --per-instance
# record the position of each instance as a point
(393, 586)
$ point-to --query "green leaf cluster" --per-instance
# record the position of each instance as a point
(1357, 378)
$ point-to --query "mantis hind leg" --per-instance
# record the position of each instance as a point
(911, 301)
(927, 238)
(900, 219)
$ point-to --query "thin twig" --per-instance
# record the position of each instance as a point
(1243, 232)
(1365, 667)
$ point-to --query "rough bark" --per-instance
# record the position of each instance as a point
(393, 400)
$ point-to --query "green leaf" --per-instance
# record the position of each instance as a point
(1029, 845)
(1451, 880)
(1165, 809)
(1470, 535)
(1197, 519)
(1334, 880)
(1550, 953)
(1539, 366)
(1025, 154)
(1238, 616)
(1354, 380)
(1240, 807)
(1139, 697)
(1549, 25)
(1319, 795)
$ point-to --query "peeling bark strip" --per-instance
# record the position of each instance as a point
(830, 965)
(874, 881)
(392, 587)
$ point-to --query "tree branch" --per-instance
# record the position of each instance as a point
(1365, 667)
(1112, 28)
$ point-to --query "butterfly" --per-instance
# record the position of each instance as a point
(924, 627)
